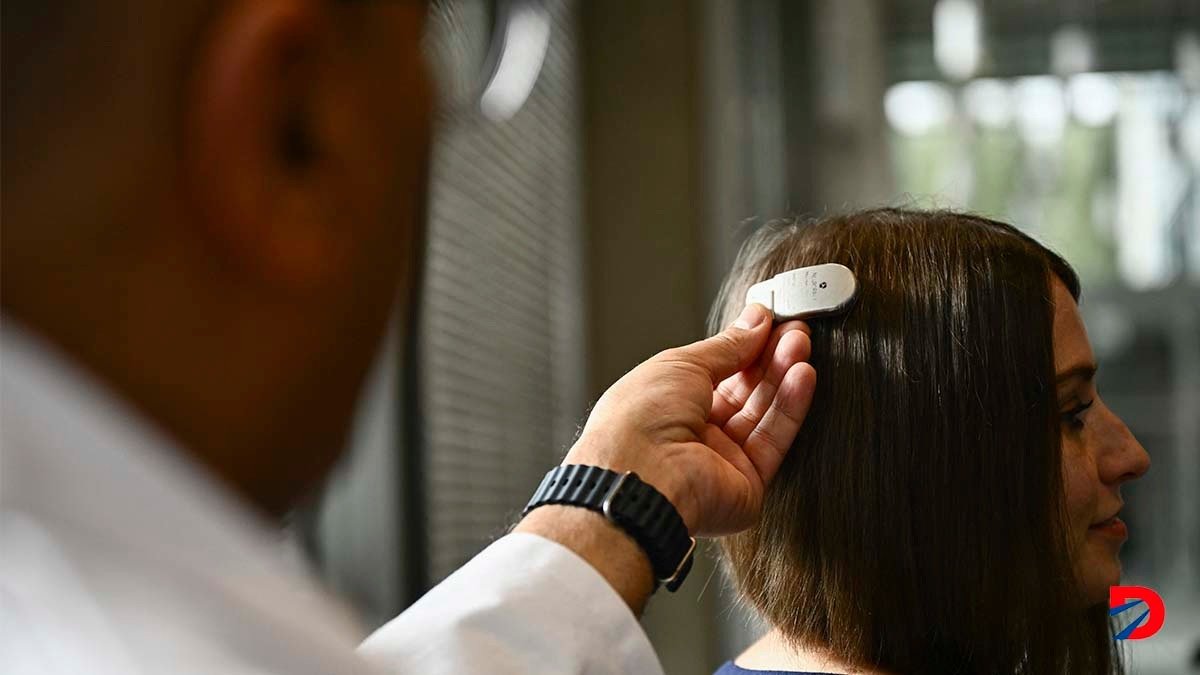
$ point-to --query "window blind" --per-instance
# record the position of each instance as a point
(499, 338)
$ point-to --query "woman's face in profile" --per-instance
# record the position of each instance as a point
(1098, 453)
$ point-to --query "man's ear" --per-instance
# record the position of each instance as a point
(256, 148)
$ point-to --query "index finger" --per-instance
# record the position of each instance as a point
(732, 394)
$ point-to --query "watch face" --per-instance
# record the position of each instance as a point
(486, 54)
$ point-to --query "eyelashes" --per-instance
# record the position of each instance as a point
(1073, 417)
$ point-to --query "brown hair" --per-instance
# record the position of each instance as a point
(917, 525)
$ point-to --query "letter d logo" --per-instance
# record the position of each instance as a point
(1121, 598)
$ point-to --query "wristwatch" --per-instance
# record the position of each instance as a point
(634, 506)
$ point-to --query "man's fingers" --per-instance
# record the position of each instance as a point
(769, 442)
(733, 392)
(793, 348)
(734, 348)
(731, 395)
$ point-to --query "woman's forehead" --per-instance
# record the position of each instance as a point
(1071, 346)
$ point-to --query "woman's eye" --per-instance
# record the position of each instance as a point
(1074, 416)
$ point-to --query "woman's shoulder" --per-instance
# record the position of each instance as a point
(772, 654)
(730, 668)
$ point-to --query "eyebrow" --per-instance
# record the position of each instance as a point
(1083, 371)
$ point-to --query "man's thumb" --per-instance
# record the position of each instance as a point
(734, 348)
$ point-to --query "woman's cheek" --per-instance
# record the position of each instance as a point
(1079, 487)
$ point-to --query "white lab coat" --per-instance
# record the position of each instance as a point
(119, 555)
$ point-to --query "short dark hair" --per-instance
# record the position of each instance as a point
(918, 523)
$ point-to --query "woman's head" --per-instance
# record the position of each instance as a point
(937, 510)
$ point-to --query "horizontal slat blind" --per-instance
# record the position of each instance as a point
(500, 332)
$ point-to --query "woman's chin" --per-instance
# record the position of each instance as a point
(1099, 569)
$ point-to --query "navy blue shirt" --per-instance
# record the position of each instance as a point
(731, 669)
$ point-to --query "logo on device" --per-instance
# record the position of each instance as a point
(1139, 598)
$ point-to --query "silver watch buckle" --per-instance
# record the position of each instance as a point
(682, 563)
(606, 505)
(606, 508)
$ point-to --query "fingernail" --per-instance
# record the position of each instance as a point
(752, 316)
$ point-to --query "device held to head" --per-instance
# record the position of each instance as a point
(806, 292)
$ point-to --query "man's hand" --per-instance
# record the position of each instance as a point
(708, 424)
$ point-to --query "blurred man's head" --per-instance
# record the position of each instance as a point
(211, 206)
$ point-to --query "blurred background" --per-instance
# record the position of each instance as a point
(598, 163)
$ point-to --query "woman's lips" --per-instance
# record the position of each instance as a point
(1113, 527)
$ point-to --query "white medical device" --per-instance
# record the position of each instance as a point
(806, 292)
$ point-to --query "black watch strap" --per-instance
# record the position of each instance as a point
(634, 506)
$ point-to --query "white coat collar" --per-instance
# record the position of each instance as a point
(88, 468)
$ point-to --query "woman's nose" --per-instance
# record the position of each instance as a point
(1124, 459)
